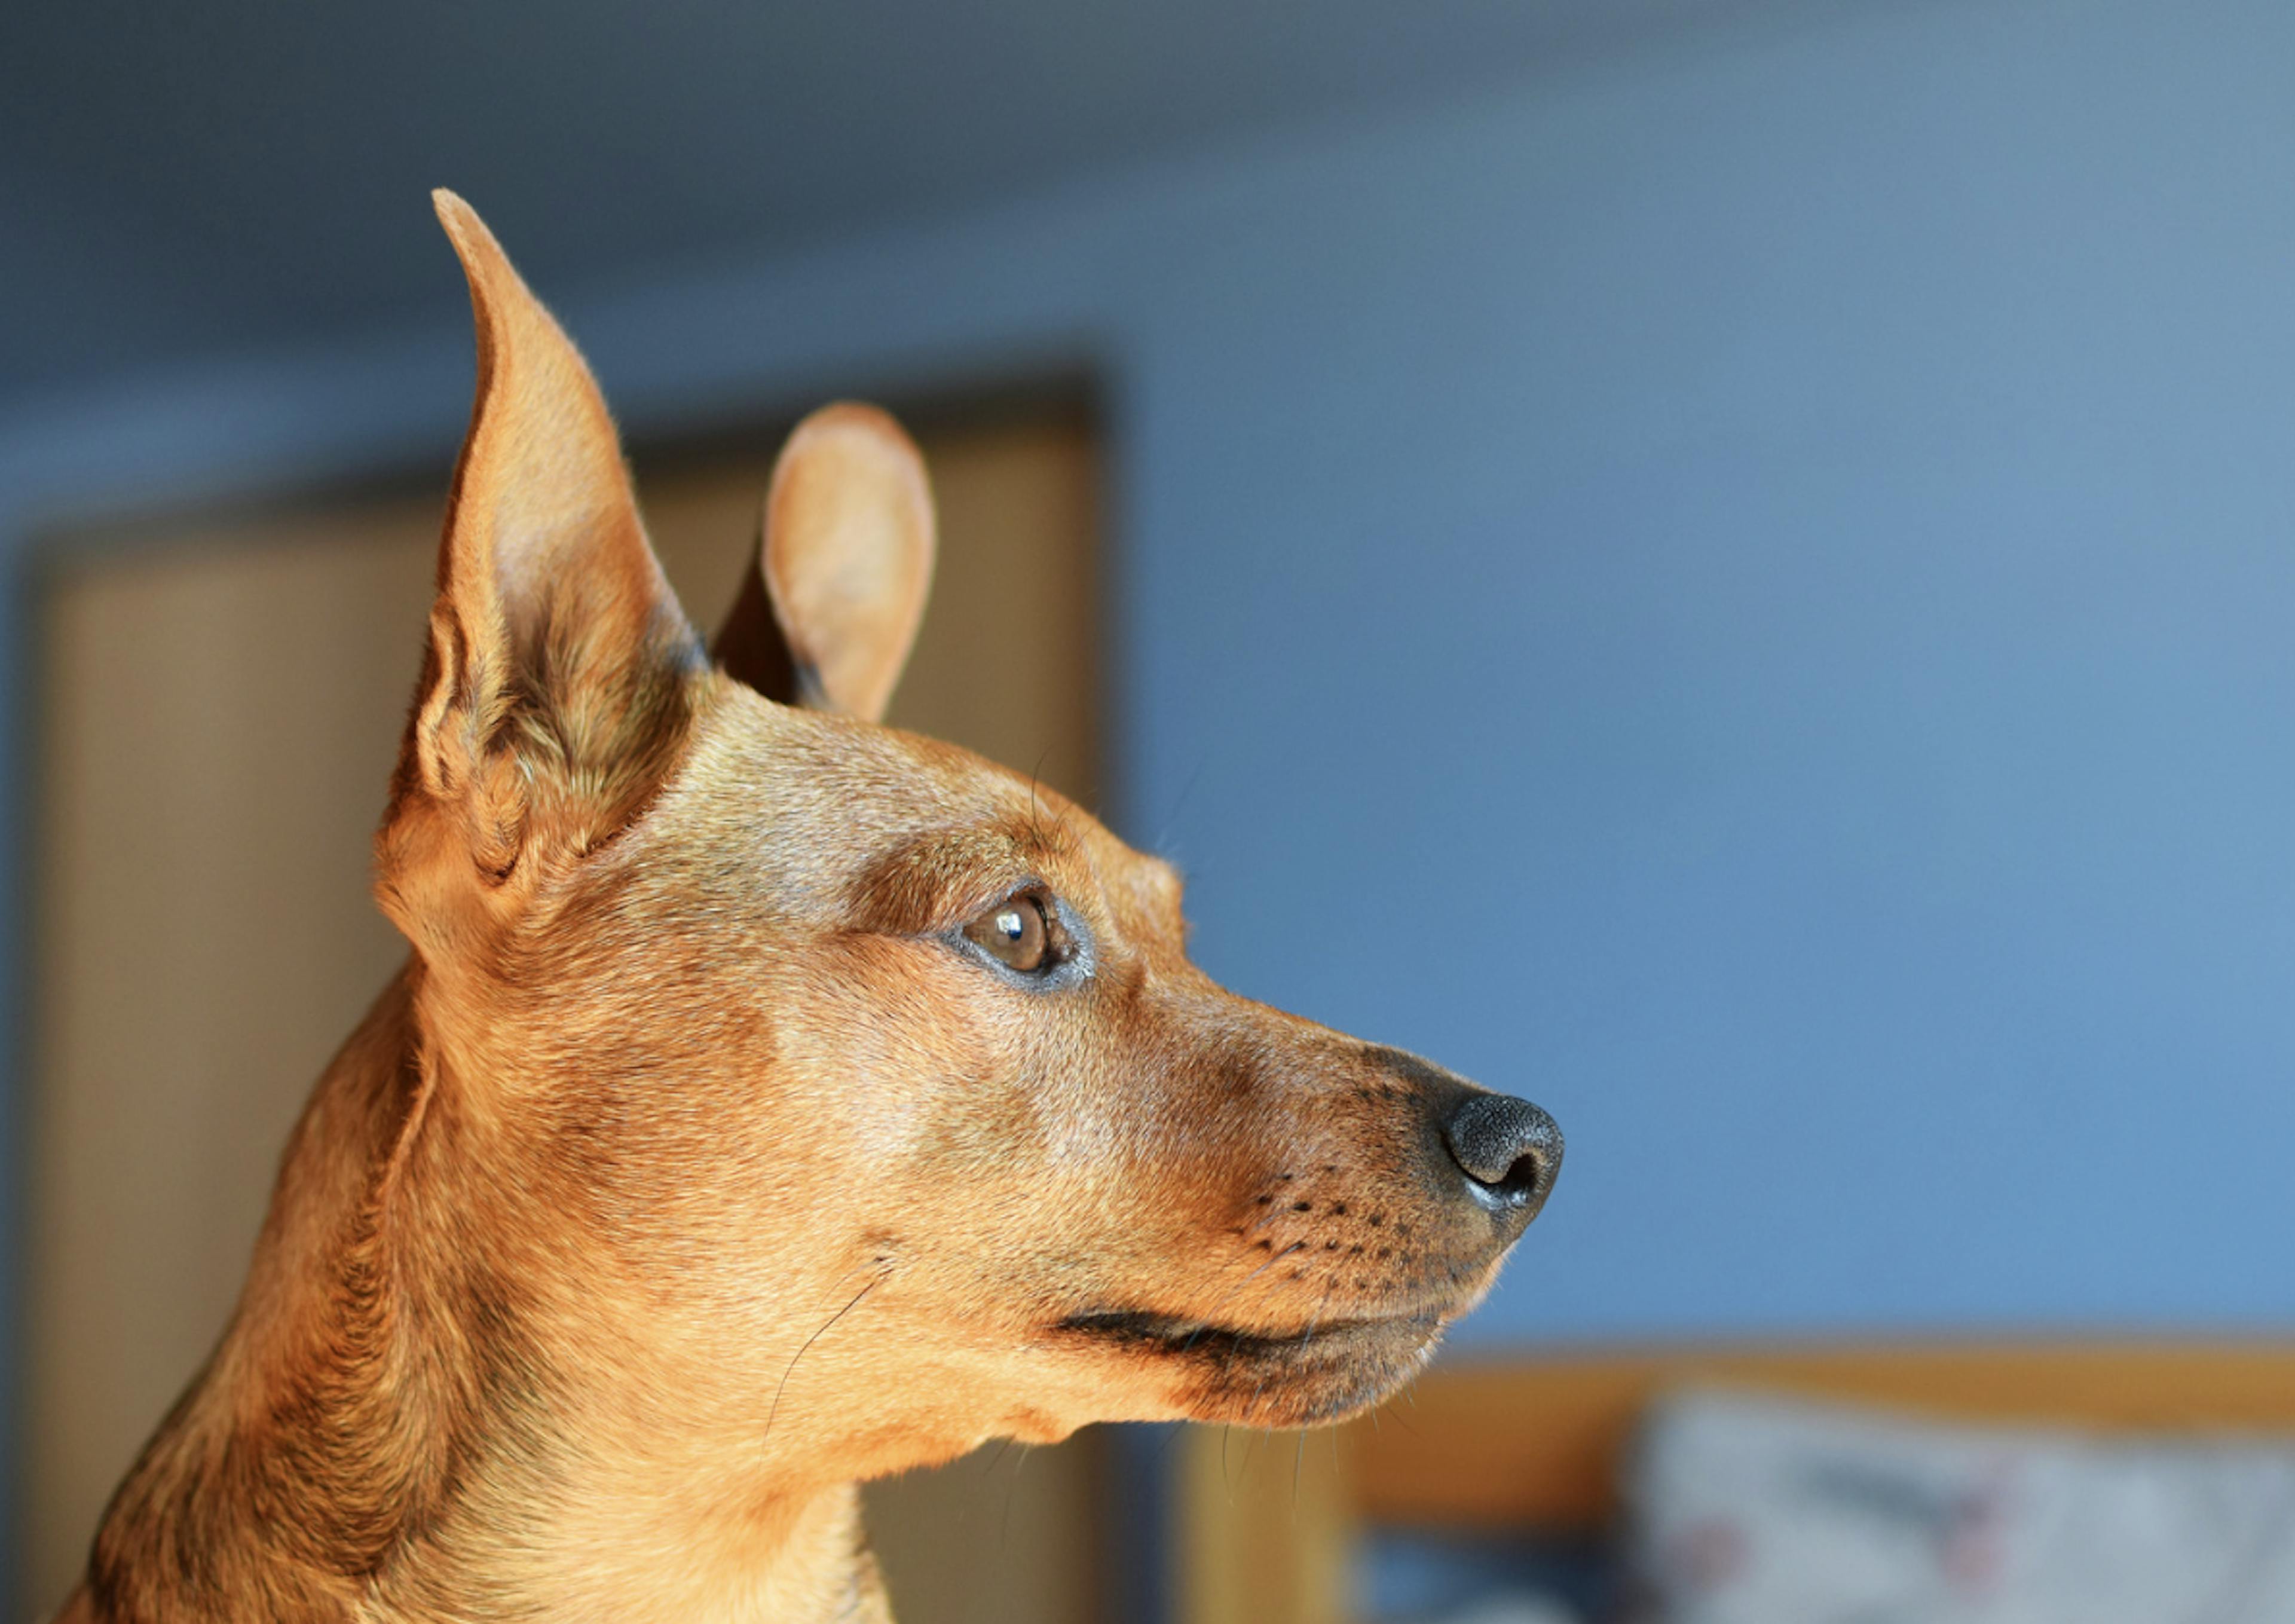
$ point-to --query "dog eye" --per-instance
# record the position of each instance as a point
(1016, 934)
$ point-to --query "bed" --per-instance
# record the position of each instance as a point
(1270, 1526)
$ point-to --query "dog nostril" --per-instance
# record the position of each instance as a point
(1508, 1148)
(1525, 1178)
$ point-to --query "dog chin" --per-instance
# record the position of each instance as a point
(1292, 1379)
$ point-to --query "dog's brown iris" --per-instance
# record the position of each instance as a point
(1015, 932)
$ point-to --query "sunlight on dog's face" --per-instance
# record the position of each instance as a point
(1097, 1188)
(878, 1072)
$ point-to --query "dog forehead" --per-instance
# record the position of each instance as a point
(825, 807)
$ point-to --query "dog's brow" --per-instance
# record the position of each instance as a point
(1158, 885)
(920, 884)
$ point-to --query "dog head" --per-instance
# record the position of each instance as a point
(857, 1092)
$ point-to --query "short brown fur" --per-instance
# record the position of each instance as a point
(699, 1165)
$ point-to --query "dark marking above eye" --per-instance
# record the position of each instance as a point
(908, 891)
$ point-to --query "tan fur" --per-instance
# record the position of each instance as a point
(847, 555)
(694, 1171)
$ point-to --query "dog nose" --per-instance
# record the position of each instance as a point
(1507, 1148)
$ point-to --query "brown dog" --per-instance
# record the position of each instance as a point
(771, 1101)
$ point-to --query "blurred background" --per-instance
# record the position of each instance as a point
(1727, 565)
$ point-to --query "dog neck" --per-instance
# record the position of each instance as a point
(393, 1375)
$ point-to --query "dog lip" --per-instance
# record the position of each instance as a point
(1170, 1334)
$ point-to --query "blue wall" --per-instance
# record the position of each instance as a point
(1746, 589)
(1751, 597)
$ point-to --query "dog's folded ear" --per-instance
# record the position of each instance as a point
(558, 681)
(826, 614)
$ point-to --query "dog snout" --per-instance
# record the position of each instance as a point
(1510, 1150)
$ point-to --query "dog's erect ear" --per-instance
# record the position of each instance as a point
(827, 614)
(556, 687)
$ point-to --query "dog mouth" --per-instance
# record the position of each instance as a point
(1170, 1336)
(1266, 1378)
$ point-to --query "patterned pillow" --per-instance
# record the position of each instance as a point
(1757, 1510)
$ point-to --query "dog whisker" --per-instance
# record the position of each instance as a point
(1172, 819)
(1011, 1493)
(772, 1414)
(1271, 1262)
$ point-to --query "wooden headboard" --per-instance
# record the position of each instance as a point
(1267, 1521)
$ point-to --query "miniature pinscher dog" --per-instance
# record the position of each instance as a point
(771, 1100)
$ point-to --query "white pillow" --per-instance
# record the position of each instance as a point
(1757, 1510)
